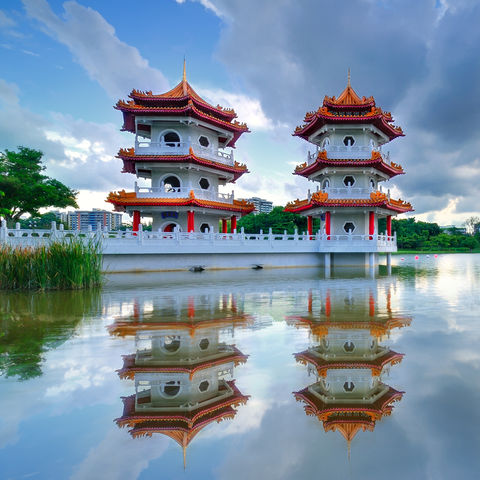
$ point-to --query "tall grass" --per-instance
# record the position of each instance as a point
(67, 264)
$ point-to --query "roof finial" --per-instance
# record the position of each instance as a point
(184, 457)
(184, 78)
(348, 84)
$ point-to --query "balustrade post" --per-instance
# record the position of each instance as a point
(140, 234)
(295, 236)
(17, 229)
(3, 230)
(242, 232)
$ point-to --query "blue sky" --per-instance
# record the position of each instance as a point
(67, 63)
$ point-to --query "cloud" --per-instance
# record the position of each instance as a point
(5, 21)
(115, 65)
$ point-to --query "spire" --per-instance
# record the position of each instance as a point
(348, 82)
(184, 457)
(184, 78)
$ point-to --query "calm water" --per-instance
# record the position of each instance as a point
(259, 374)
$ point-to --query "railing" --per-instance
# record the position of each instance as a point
(182, 192)
(348, 192)
(127, 242)
(352, 152)
(183, 148)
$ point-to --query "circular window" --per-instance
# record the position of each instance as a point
(171, 344)
(204, 343)
(203, 387)
(349, 227)
(349, 346)
(171, 139)
(204, 183)
(348, 141)
(349, 181)
(171, 184)
(204, 227)
(203, 141)
(348, 386)
(171, 388)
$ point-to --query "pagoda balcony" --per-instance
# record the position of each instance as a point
(348, 152)
(183, 148)
(348, 192)
(183, 192)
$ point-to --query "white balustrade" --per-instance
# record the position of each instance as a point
(183, 192)
(128, 242)
(183, 148)
(348, 192)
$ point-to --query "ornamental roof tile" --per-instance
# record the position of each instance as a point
(125, 199)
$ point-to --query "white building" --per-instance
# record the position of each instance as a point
(261, 205)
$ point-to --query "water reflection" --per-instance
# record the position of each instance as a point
(348, 359)
(181, 366)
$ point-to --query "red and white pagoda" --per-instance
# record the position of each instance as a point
(349, 165)
(179, 146)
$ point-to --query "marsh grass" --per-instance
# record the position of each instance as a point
(68, 264)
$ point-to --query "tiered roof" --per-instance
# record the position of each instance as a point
(375, 161)
(124, 199)
(181, 426)
(130, 158)
(182, 100)
(324, 363)
(348, 108)
(130, 368)
(320, 199)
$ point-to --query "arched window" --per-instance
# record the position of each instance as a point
(326, 184)
(171, 184)
(372, 184)
(326, 143)
(171, 139)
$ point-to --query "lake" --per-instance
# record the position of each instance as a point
(268, 374)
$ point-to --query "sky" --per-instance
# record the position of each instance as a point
(65, 64)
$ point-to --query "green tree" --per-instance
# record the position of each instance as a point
(26, 188)
(40, 221)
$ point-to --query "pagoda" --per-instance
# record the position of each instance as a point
(180, 370)
(349, 165)
(179, 148)
(349, 362)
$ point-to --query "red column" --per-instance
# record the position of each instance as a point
(136, 220)
(191, 307)
(389, 225)
(233, 223)
(310, 301)
(327, 224)
(371, 224)
(310, 225)
(371, 305)
(190, 221)
(224, 225)
(328, 305)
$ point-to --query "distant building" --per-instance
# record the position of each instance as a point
(82, 219)
(453, 230)
(61, 216)
(261, 205)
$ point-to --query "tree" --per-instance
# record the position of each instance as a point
(472, 224)
(41, 221)
(26, 188)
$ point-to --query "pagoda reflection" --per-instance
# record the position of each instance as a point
(181, 367)
(348, 359)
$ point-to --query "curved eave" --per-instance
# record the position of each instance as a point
(129, 112)
(376, 365)
(320, 164)
(133, 201)
(165, 102)
(377, 409)
(130, 160)
(129, 368)
(319, 120)
(347, 203)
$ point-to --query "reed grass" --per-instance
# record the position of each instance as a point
(68, 264)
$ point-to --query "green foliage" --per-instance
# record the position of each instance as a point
(40, 221)
(26, 188)
(69, 264)
(278, 220)
(33, 323)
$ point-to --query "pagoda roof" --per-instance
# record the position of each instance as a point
(130, 158)
(328, 411)
(348, 108)
(130, 368)
(179, 425)
(130, 199)
(322, 161)
(124, 328)
(321, 328)
(323, 364)
(181, 100)
(320, 199)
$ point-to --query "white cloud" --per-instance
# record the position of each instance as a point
(115, 65)
(5, 21)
